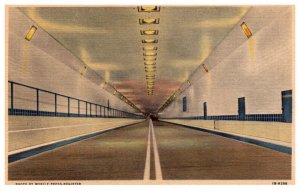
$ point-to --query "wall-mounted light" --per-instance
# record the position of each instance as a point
(150, 40)
(205, 67)
(83, 70)
(148, 21)
(246, 30)
(30, 33)
(104, 85)
(148, 9)
(149, 32)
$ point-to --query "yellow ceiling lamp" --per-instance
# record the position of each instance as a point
(150, 54)
(148, 58)
(30, 33)
(148, 9)
(246, 30)
(150, 78)
(149, 63)
(150, 70)
(150, 40)
(149, 47)
(149, 32)
(148, 21)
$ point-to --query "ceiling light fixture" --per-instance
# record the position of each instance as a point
(246, 30)
(148, 9)
(150, 54)
(149, 32)
(149, 63)
(150, 75)
(150, 70)
(148, 58)
(30, 33)
(150, 78)
(149, 40)
(148, 21)
(150, 67)
(150, 47)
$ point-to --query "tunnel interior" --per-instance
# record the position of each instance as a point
(150, 93)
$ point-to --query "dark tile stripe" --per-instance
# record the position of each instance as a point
(35, 151)
(272, 146)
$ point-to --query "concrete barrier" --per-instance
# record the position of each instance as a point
(30, 131)
(268, 130)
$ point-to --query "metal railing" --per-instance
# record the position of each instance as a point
(100, 110)
(248, 117)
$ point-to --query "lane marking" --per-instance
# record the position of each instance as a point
(59, 140)
(158, 173)
(35, 151)
(147, 163)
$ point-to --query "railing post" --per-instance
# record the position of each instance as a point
(100, 111)
(55, 104)
(37, 101)
(78, 108)
(104, 111)
(96, 110)
(86, 104)
(12, 97)
(90, 109)
(69, 106)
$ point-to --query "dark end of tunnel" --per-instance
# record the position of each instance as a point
(154, 117)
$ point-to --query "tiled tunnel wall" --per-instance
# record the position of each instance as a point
(258, 68)
(44, 63)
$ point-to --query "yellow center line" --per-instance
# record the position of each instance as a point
(158, 173)
(147, 163)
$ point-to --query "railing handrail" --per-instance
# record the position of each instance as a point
(69, 97)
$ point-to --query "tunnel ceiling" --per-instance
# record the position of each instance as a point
(109, 40)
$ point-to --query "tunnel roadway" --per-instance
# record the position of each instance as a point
(158, 150)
